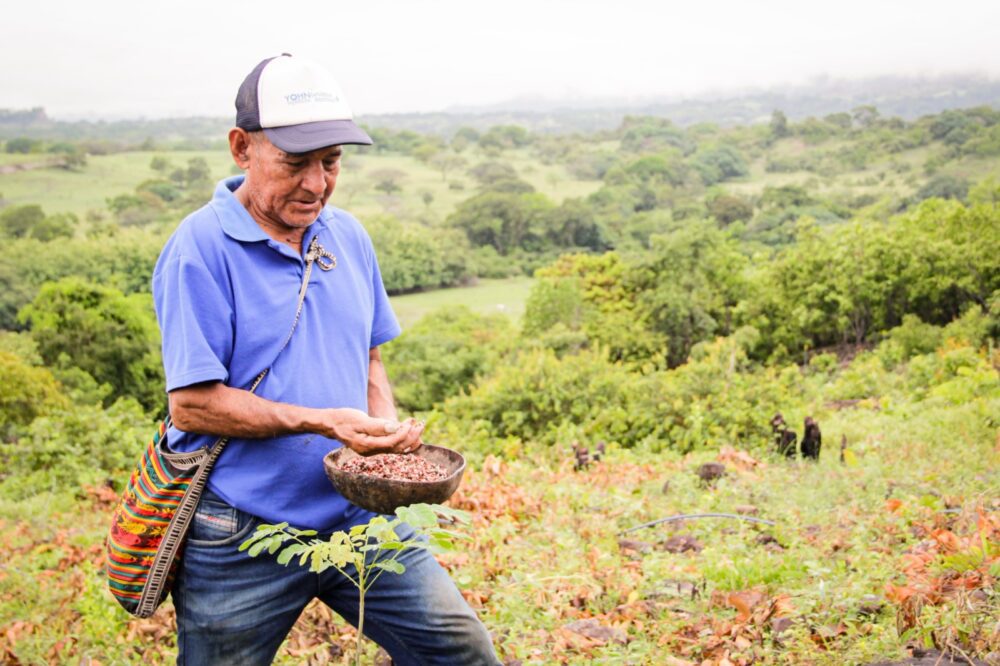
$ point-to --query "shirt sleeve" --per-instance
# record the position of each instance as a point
(385, 327)
(196, 322)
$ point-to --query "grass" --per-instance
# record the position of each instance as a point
(545, 553)
(485, 297)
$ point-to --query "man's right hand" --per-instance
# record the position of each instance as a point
(367, 436)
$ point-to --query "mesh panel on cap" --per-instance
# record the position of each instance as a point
(247, 107)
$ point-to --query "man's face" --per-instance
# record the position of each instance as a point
(289, 189)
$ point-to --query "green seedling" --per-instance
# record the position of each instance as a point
(363, 553)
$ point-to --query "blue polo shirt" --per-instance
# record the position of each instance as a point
(225, 294)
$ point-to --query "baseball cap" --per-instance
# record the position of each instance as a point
(298, 104)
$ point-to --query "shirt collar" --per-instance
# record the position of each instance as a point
(237, 222)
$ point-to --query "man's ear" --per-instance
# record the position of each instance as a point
(240, 147)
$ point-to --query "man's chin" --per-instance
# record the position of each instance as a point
(300, 216)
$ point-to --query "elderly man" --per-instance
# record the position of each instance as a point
(225, 289)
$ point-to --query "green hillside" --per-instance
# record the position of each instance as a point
(810, 307)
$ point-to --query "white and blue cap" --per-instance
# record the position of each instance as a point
(298, 105)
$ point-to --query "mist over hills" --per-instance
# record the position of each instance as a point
(904, 97)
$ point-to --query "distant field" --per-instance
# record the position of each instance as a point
(486, 297)
(104, 176)
(107, 176)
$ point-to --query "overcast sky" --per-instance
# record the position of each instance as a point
(115, 58)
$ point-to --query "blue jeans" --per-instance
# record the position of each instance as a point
(235, 609)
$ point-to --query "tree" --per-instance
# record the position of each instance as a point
(136, 209)
(160, 164)
(944, 186)
(18, 221)
(489, 173)
(197, 171)
(662, 167)
(60, 225)
(388, 181)
(573, 224)
(505, 136)
(424, 152)
(691, 282)
(719, 164)
(779, 124)
(507, 221)
(98, 329)
(26, 392)
(445, 162)
(841, 120)
(865, 116)
(727, 208)
(23, 145)
(644, 134)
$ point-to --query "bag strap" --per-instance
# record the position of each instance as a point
(314, 256)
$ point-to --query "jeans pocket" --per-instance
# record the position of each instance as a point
(216, 523)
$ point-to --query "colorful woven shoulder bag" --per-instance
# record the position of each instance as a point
(155, 511)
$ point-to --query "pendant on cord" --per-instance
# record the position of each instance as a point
(323, 257)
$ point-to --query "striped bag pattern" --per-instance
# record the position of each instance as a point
(150, 521)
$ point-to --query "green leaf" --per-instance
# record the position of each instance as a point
(288, 553)
(391, 566)
(256, 548)
(417, 515)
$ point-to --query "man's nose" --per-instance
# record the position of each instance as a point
(313, 179)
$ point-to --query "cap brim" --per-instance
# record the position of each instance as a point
(313, 136)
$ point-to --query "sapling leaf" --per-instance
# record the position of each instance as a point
(439, 547)
(285, 556)
(446, 533)
(257, 547)
(391, 566)
(417, 515)
(380, 529)
(302, 533)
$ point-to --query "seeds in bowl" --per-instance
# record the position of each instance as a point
(396, 467)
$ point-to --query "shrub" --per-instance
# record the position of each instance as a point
(73, 446)
(443, 354)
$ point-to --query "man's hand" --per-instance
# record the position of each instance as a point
(367, 436)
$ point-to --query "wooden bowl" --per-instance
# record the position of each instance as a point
(385, 495)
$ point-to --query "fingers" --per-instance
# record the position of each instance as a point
(412, 441)
(406, 439)
(368, 436)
